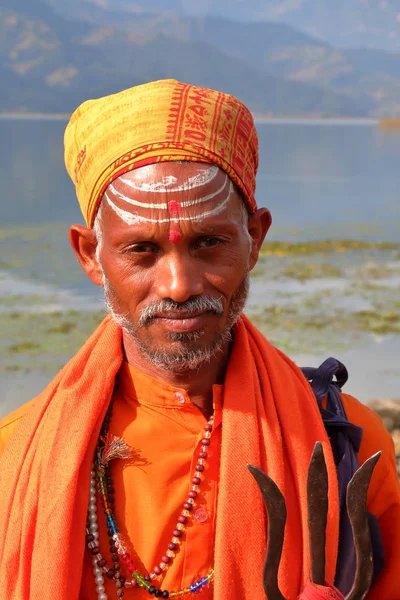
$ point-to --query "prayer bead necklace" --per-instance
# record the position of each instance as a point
(108, 448)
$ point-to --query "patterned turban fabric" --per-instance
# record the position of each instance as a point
(157, 122)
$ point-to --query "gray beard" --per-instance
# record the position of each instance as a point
(183, 359)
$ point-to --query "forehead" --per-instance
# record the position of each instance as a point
(159, 179)
(184, 192)
(158, 175)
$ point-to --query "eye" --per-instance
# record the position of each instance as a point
(209, 242)
(142, 248)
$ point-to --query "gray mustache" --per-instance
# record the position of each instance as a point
(196, 304)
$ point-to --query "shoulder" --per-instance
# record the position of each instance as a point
(375, 435)
(384, 491)
(10, 422)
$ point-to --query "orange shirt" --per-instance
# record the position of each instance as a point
(164, 428)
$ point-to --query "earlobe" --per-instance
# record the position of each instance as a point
(84, 243)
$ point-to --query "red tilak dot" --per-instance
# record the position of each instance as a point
(173, 208)
(174, 237)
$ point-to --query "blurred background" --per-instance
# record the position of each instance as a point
(323, 81)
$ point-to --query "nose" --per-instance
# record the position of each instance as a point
(178, 278)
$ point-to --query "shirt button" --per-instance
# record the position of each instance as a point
(180, 397)
(201, 515)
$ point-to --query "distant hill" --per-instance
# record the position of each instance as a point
(50, 63)
(370, 79)
(344, 23)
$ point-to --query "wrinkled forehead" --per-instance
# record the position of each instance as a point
(173, 191)
(158, 183)
(170, 177)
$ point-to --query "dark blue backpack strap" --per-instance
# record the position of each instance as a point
(326, 382)
(328, 379)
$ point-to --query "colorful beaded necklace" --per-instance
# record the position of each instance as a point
(108, 448)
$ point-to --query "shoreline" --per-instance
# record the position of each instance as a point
(309, 120)
(34, 116)
(258, 118)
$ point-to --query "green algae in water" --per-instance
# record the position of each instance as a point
(271, 248)
(378, 271)
(380, 321)
(312, 324)
(27, 300)
(63, 328)
(303, 271)
(33, 233)
(23, 347)
(43, 341)
(309, 321)
(40, 252)
(282, 248)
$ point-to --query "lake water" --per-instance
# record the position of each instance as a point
(321, 180)
(333, 180)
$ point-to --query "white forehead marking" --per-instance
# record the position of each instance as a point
(127, 217)
(154, 186)
(166, 183)
(162, 205)
(133, 219)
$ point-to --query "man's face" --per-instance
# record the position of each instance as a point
(175, 260)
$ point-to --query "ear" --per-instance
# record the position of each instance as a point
(259, 224)
(84, 243)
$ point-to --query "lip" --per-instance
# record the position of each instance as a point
(183, 323)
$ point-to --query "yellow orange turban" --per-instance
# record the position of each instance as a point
(159, 121)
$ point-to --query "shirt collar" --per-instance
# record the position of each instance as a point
(151, 391)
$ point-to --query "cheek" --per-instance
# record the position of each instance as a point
(226, 270)
(237, 254)
(228, 278)
(129, 283)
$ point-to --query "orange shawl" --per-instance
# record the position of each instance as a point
(270, 419)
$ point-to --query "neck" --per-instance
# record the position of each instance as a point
(198, 384)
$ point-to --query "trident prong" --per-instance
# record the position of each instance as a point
(317, 503)
(276, 509)
(356, 500)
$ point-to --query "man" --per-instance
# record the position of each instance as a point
(127, 477)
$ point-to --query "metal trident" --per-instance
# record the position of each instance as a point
(317, 502)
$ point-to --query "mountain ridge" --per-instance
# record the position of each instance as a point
(344, 23)
(52, 64)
